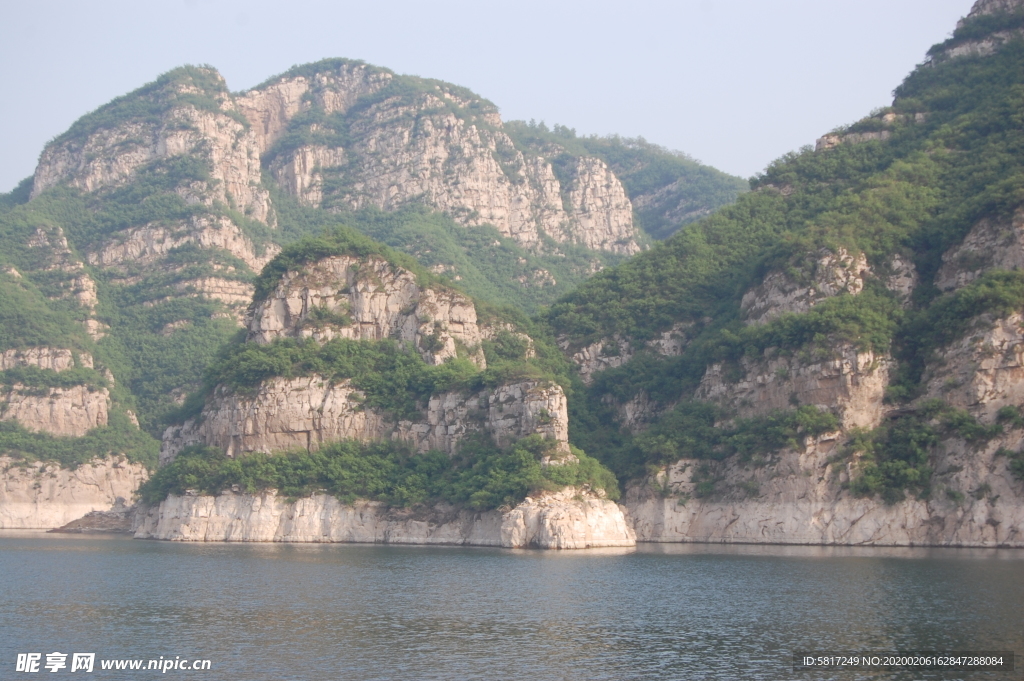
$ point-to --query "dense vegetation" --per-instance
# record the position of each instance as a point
(118, 437)
(481, 476)
(896, 455)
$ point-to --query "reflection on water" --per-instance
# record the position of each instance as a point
(679, 611)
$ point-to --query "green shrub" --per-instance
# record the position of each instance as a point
(480, 476)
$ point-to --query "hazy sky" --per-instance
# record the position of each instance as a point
(734, 83)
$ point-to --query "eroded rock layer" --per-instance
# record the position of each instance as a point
(568, 520)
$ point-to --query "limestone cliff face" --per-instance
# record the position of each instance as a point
(58, 411)
(45, 496)
(609, 353)
(982, 7)
(51, 246)
(112, 155)
(368, 299)
(405, 142)
(571, 519)
(845, 380)
(150, 244)
(301, 172)
(440, 147)
(797, 498)
(983, 371)
(308, 412)
(991, 244)
(832, 274)
(54, 359)
(270, 108)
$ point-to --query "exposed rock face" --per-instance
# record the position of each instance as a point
(559, 521)
(44, 496)
(76, 282)
(270, 108)
(439, 148)
(609, 353)
(508, 413)
(833, 273)
(58, 411)
(602, 355)
(797, 499)
(991, 244)
(902, 279)
(284, 414)
(983, 371)
(307, 412)
(424, 151)
(368, 299)
(847, 380)
(54, 359)
(112, 156)
(301, 173)
(151, 243)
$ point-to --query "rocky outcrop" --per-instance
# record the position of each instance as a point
(982, 7)
(368, 299)
(54, 359)
(112, 155)
(443, 149)
(429, 150)
(991, 244)
(798, 498)
(609, 353)
(76, 283)
(59, 411)
(308, 412)
(283, 414)
(845, 380)
(150, 244)
(36, 495)
(604, 354)
(333, 89)
(902, 278)
(301, 173)
(779, 293)
(567, 520)
(983, 371)
(429, 143)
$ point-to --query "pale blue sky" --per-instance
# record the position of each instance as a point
(734, 83)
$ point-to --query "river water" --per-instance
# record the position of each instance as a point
(260, 611)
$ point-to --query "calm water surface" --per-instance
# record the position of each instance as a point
(262, 612)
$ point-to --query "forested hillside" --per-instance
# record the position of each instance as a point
(879, 261)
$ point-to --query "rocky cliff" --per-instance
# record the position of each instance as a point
(368, 299)
(71, 410)
(37, 495)
(799, 497)
(408, 140)
(310, 411)
(567, 520)
(405, 140)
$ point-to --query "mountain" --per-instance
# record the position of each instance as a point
(835, 358)
(316, 294)
(131, 257)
